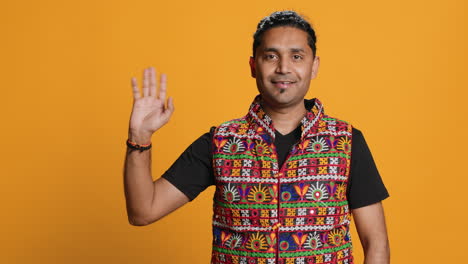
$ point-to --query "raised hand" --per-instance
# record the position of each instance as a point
(149, 111)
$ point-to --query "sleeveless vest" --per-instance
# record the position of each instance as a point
(296, 214)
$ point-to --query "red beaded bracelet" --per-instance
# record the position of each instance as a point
(136, 146)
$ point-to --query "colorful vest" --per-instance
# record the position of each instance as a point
(296, 214)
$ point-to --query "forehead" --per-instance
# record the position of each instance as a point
(285, 37)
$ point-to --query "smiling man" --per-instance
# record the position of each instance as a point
(288, 176)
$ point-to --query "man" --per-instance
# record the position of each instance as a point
(288, 177)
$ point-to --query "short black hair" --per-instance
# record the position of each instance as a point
(284, 18)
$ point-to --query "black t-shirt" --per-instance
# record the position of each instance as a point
(192, 172)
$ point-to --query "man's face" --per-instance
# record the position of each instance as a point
(283, 66)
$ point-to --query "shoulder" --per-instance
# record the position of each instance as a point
(356, 132)
(232, 122)
(233, 126)
(336, 124)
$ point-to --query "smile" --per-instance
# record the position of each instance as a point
(283, 84)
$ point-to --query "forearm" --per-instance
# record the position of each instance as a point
(377, 252)
(138, 184)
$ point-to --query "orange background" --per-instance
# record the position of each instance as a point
(395, 69)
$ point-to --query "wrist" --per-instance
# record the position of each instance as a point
(135, 146)
(139, 138)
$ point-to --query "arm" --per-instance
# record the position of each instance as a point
(370, 225)
(148, 201)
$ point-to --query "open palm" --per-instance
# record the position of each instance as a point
(149, 111)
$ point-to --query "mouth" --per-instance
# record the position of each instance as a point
(283, 84)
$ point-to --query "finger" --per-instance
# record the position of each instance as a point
(152, 82)
(136, 91)
(170, 105)
(145, 82)
(170, 108)
(162, 87)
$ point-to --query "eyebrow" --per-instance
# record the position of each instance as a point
(276, 50)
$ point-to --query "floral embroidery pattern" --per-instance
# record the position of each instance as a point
(295, 214)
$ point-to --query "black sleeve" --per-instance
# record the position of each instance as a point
(365, 185)
(192, 172)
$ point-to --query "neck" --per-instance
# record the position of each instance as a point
(285, 119)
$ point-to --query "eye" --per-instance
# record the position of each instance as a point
(297, 57)
(270, 56)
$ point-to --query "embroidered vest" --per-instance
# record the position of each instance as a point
(263, 214)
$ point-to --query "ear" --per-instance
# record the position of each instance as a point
(252, 67)
(315, 67)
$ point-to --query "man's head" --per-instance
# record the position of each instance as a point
(281, 19)
(284, 60)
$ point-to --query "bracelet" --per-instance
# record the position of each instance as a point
(135, 146)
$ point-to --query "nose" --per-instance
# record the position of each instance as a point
(283, 66)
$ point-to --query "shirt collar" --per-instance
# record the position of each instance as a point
(264, 123)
